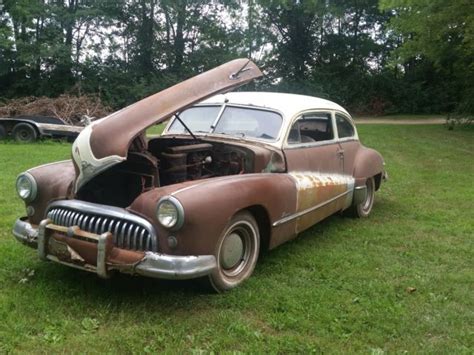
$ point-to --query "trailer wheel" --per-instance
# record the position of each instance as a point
(24, 132)
(3, 132)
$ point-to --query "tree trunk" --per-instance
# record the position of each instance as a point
(179, 37)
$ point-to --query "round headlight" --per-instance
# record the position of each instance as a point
(170, 213)
(26, 187)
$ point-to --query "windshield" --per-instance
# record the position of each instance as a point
(198, 119)
(235, 121)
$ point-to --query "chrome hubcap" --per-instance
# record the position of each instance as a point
(232, 251)
(370, 196)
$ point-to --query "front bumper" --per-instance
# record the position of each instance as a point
(108, 258)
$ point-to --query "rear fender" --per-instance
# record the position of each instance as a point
(368, 163)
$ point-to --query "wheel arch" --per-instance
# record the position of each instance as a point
(262, 218)
(378, 181)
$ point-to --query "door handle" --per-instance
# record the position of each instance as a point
(340, 153)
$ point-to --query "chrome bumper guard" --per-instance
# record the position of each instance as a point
(155, 265)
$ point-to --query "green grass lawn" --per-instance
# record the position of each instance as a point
(155, 129)
(401, 280)
(401, 117)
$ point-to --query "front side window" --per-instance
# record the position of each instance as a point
(312, 127)
(234, 121)
(344, 128)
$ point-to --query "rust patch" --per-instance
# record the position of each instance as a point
(315, 189)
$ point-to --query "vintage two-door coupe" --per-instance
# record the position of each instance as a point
(232, 174)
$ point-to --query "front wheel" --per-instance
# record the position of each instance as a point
(236, 252)
(362, 209)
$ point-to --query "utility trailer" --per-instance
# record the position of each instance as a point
(30, 128)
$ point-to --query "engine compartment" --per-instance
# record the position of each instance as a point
(190, 160)
(166, 161)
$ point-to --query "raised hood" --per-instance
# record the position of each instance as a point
(105, 142)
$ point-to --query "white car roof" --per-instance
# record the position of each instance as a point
(287, 104)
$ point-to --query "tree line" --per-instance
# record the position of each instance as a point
(373, 56)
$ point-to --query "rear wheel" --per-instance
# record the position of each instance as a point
(236, 252)
(363, 209)
(24, 132)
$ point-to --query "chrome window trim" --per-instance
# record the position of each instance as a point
(349, 119)
(348, 139)
(296, 117)
(310, 144)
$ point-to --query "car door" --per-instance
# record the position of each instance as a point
(314, 160)
(348, 141)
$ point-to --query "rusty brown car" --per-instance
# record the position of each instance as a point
(231, 175)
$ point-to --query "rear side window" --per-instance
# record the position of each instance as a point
(345, 129)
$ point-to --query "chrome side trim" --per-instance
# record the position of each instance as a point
(99, 211)
(308, 210)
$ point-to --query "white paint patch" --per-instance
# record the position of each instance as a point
(310, 180)
(308, 184)
(89, 165)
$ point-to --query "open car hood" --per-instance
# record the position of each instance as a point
(106, 142)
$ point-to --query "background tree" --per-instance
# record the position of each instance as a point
(410, 56)
(437, 42)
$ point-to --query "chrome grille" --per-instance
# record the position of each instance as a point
(129, 231)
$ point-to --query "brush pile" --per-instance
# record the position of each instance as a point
(70, 109)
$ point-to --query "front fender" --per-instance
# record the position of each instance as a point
(54, 182)
(210, 204)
